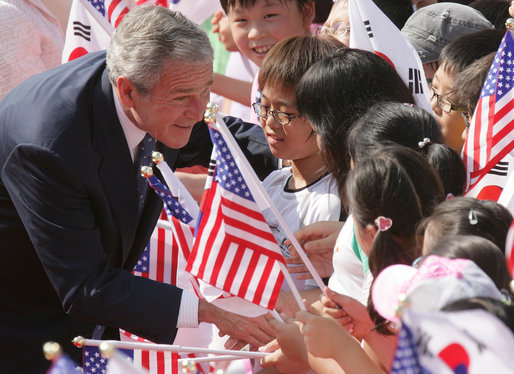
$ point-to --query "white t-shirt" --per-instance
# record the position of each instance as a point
(348, 276)
(316, 202)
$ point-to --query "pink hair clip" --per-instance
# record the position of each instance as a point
(383, 223)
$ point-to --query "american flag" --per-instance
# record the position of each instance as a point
(64, 365)
(151, 361)
(234, 249)
(491, 138)
(406, 359)
(112, 10)
(163, 3)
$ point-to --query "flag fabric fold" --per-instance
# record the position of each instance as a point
(489, 148)
(373, 31)
(64, 365)
(234, 249)
(89, 28)
(134, 361)
(470, 341)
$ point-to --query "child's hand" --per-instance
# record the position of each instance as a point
(323, 336)
(318, 241)
(221, 26)
(360, 324)
(289, 350)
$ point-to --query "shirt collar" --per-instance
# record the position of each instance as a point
(133, 134)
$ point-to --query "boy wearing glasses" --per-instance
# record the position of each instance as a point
(455, 57)
(305, 192)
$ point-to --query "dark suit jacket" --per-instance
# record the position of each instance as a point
(69, 234)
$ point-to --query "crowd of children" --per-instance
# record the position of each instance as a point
(371, 184)
(372, 181)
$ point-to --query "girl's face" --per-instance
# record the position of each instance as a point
(256, 29)
(293, 141)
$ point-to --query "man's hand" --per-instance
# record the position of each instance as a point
(242, 330)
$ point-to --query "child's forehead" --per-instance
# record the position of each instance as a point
(241, 5)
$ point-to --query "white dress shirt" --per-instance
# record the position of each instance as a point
(188, 311)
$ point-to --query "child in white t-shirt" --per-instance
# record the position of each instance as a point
(304, 192)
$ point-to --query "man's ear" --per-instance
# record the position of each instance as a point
(309, 11)
(126, 91)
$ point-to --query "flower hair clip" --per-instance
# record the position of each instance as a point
(424, 143)
(383, 223)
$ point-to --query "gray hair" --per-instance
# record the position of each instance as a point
(147, 38)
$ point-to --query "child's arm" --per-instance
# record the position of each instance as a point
(326, 338)
(233, 89)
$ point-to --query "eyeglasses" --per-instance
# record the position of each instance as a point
(444, 103)
(337, 29)
(467, 119)
(263, 112)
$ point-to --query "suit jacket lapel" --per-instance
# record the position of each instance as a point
(116, 172)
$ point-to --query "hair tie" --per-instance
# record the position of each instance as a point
(383, 223)
(450, 196)
(424, 142)
(472, 216)
(409, 104)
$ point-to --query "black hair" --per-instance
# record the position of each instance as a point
(470, 81)
(483, 252)
(290, 58)
(398, 11)
(449, 166)
(408, 126)
(496, 11)
(336, 91)
(398, 183)
(503, 311)
(227, 5)
(452, 217)
(466, 49)
(322, 10)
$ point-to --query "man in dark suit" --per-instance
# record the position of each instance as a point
(71, 224)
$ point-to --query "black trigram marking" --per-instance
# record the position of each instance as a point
(84, 31)
(212, 166)
(415, 86)
(501, 169)
(367, 25)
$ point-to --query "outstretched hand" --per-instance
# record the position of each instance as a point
(318, 241)
(352, 315)
(242, 330)
(323, 335)
(289, 350)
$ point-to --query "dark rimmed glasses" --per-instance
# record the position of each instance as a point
(263, 112)
(444, 103)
